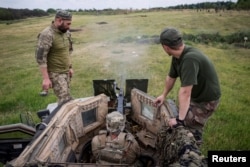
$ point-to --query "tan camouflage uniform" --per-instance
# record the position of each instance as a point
(61, 86)
(53, 50)
(121, 149)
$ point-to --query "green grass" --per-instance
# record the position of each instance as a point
(98, 54)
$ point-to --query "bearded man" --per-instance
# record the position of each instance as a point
(52, 55)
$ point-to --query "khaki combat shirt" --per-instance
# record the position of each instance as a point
(53, 50)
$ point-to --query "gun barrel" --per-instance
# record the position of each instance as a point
(120, 99)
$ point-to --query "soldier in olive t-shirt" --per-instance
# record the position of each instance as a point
(199, 94)
(194, 68)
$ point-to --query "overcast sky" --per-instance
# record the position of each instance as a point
(96, 4)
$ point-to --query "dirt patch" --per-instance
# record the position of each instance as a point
(75, 29)
(102, 22)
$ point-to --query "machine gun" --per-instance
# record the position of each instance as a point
(119, 99)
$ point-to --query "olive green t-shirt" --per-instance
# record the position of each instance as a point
(194, 68)
(58, 57)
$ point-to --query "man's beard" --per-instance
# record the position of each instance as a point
(62, 28)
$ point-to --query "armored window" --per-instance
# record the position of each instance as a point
(89, 117)
(147, 111)
(106, 87)
(141, 84)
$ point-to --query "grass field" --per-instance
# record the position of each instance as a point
(101, 53)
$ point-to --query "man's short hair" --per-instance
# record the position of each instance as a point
(171, 37)
(65, 15)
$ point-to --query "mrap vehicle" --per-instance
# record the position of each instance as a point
(63, 138)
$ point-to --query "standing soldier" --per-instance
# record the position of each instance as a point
(199, 94)
(52, 55)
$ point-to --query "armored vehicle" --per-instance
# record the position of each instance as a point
(63, 138)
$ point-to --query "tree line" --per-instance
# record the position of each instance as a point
(15, 14)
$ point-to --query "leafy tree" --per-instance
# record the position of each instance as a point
(243, 4)
(51, 11)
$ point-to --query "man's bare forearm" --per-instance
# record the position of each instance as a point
(169, 83)
(44, 72)
(184, 101)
